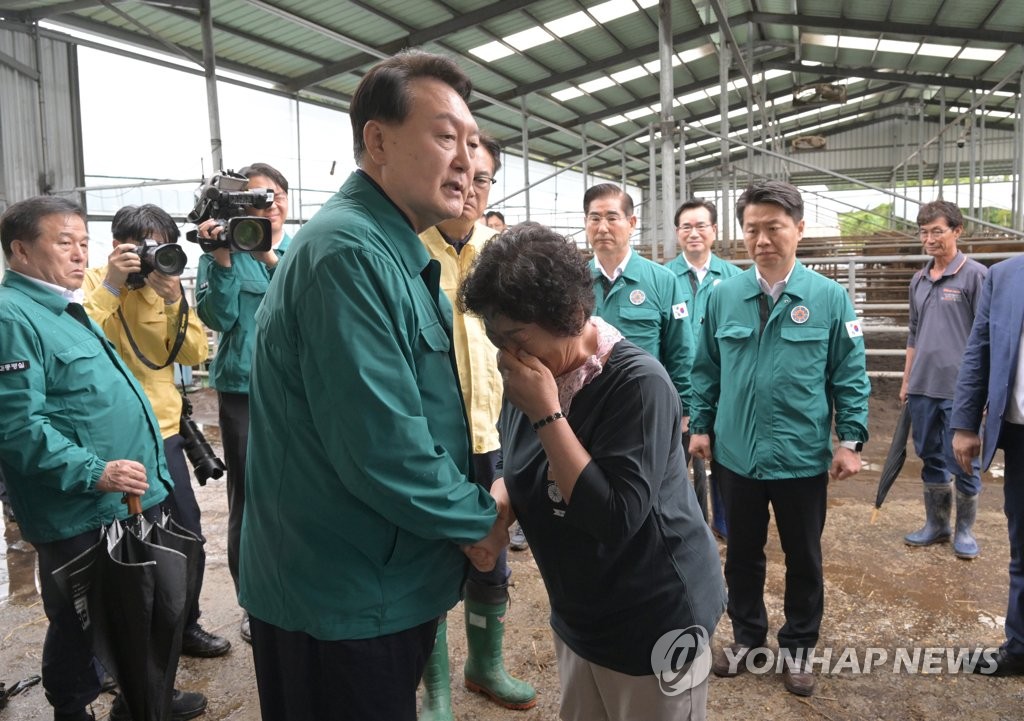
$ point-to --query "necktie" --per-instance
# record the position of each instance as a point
(766, 310)
(77, 311)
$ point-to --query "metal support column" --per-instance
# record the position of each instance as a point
(298, 155)
(210, 73)
(684, 194)
(526, 153)
(940, 179)
(920, 156)
(651, 211)
(724, 213)
(981, 161)
(972, 166)
(583, 157)
(668, 171)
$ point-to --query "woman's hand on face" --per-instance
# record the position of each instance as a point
(529, 385)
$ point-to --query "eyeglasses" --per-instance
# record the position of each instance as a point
(699, 227)
(483, 182)
(610, 218)
(933, 232)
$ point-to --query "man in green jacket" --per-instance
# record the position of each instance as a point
(781, 357)
(643, 300)
(701, 271)
(358, 495)
(76, 432)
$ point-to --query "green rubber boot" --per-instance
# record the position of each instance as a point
(485, 672)
(437, 692)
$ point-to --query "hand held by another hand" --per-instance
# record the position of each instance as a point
(484, 553)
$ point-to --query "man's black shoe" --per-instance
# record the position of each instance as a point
(184, 705)
(1006, 664)
(199, 643)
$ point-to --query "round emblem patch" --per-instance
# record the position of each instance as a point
(637, 297)
(715, 282)
(800, 314)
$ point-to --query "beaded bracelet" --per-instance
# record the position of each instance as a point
(550, 419)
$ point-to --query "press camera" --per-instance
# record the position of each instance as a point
(168, 258)
(225, 199)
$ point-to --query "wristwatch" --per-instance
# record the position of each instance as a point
(852, 445)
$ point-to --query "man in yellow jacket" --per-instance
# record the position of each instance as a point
(144, 314)
(455, 244)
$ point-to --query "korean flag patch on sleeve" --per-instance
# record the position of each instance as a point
(854, 329)
(679, 311)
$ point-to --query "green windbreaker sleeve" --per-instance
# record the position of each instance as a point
(217, 294)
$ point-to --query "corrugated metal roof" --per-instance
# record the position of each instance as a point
(319, 50)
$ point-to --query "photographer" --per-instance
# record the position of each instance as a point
(229, 288)
(148, 320)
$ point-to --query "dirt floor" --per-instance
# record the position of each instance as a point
(880, 594)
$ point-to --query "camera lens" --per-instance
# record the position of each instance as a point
(204, 461)
(169, 259)
(247, 234)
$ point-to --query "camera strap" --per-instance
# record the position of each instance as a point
(178, 340)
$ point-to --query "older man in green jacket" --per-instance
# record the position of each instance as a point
(642, 299)
(358, 496)
(76, 432)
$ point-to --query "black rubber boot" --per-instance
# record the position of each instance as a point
(938, 505)
(964, 543)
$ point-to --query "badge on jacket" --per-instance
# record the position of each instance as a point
(679, 311)
(14, 366)
(637, 297)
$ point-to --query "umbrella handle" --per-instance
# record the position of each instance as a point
(134, 504)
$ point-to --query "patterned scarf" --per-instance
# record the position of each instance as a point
(571, 383)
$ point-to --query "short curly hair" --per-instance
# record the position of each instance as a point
(531, 274)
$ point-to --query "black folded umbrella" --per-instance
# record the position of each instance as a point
(894, 460)
(132, 591)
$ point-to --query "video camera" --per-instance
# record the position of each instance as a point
(168, 258)
(225, 199)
